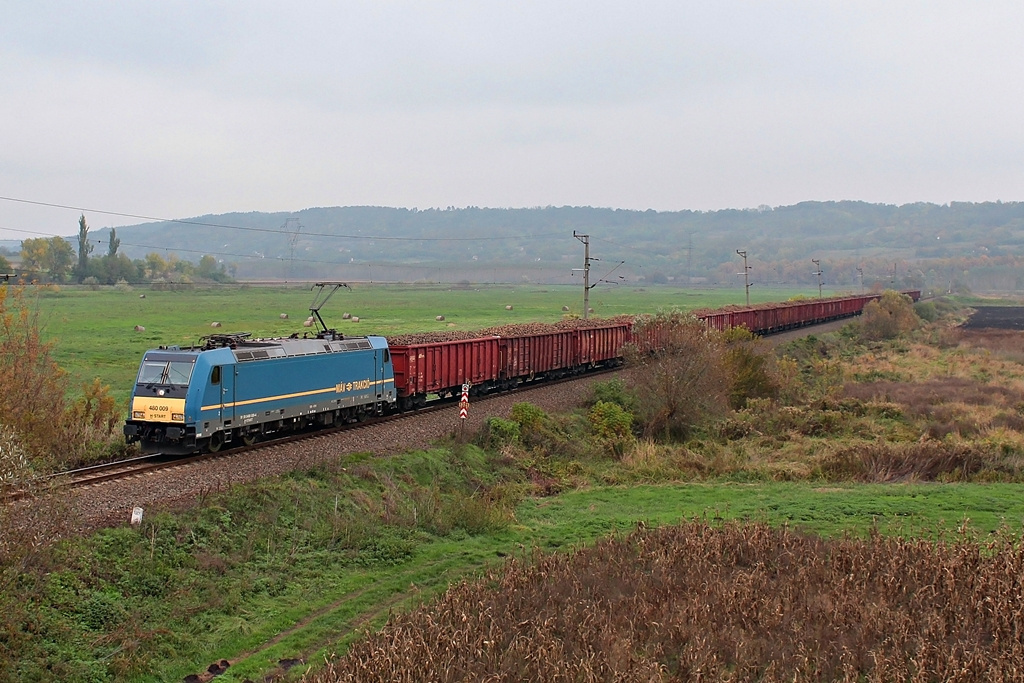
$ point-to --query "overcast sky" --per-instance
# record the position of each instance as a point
(182, 109)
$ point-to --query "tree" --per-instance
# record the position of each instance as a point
(60, 258)
(34, 386)
(34, 253)
(53, 255)
(5, 265)
(120, 267)
(32, 440)
(208, 267)
(50, 429)
(84, 247)
(156, 266)
(113, 244)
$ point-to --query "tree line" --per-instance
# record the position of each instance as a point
(55, 259)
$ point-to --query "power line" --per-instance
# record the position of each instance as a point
(426, 265)
(266, 230)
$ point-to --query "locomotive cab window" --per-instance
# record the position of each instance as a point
(165, 372)
(387, 355)
(179, 373)
(215, 375)
(151, 373)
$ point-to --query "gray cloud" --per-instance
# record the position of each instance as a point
(179, 109)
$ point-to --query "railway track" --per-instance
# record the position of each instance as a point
(147, 464)
(95, 475)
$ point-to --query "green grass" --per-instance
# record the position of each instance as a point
(94, 331)
(581, 517)
(226, 578)
(830, 510)
(251, 563)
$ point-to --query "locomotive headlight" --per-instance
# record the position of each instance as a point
(160, 392)
(178, 417)
(138, 414)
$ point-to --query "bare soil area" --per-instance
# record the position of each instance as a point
(996, 317)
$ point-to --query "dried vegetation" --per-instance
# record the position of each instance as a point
(738, 603)
(53, 430)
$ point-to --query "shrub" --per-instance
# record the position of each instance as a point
(926, 311)
(500, 432)
(14, 465)
(32, 400)
(809, 368)
(609, 420)
(924, 460)
(750, 365)
(51, 430)
(612, 425)
(888, 317)
(528, 416)
(716, 603)
(613, 391)
(685, 384)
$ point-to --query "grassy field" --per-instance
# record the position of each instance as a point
(94, 331)
(282, 570)
(578, 518)
(297, 567)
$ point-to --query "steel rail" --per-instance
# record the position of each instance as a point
(145, 464)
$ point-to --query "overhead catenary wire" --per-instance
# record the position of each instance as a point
(425, 265)
(278, 231)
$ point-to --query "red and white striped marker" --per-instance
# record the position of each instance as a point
(464, 403)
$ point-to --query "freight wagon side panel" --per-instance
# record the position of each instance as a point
(718, 320)
(600, 344)
(646, 337)
(533, 354)
(744, 318)
(429, 368)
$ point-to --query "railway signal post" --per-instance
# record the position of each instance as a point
(464, 408)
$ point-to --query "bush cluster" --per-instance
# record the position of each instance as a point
(890, 316)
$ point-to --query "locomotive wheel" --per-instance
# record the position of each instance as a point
(216, 442)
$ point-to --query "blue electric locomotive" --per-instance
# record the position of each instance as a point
(234, 389)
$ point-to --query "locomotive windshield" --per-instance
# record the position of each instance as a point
(165, 372)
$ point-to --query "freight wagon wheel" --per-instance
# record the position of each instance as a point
(215, 442)
(250, 439)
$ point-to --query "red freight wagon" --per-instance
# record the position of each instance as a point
(718, 320)
(600, 344)
(526, 356)
(747, 317)
(646, 337)
(768, 320)
(443, 367)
